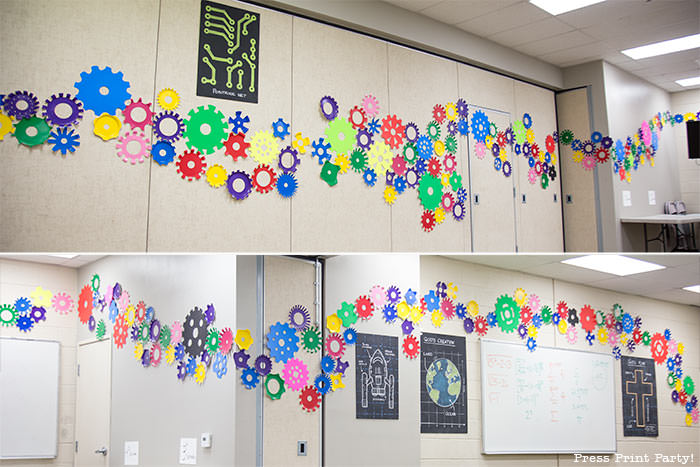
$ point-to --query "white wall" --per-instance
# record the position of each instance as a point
(151, 405)
(19, 279)
(682, 102)
(485, 284)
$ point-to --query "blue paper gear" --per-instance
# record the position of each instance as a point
(90, 85)
(163, 153)
(282, 342)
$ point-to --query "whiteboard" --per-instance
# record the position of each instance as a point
(547, 401)
(29, 372)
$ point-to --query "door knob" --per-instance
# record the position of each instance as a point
(102, 451)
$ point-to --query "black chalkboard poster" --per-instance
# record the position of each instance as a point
(229, 45)
(377, 377)
(639, 409)
(443, 384)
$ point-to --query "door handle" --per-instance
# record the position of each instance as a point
(102, 450)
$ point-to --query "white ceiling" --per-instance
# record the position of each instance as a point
(596, 32)
(75, 263)
(667, 284)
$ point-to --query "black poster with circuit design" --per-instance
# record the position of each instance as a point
(639, 407)
(229, 44)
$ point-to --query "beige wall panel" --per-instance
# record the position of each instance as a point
(539, 219)
(417, 82)
(580, 221)
(486, 89)
(289, 282)
(347, 66)
(193, 216)
(361, 442)
(44, 197)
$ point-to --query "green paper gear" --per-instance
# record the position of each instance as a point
(566, 137)
(100, 329)
(546, 314)
(451, 144)
(433, 131)
(519, 132)
(671, 379)
(430, 192)
(544, 181)
(646, 338)
(341, 135)
(600, 318)
(212, 341)
(311, 340)
(358, 160)
(617, 311)
(507, 313)
(145, 332)
(165, 336)
(688, 385)
(27, 137)
(410, 153)
(455, 181)
(196, 138)
(95, 283)
(274, 395)
(329, 173)
(8, 315)
(347, 314)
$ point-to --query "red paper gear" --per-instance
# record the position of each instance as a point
(140, 311)
(309, 399)
(428, 220)
(364, 307)
(610, 321)
(535, 150)
(120, 331)
(602, 155)
(501, 139)
(525, 314)
(447, 308)
(423, 305)
(682, 397)
(271, 177)
(439, 113)
(411, 348)
(225, 340)
(398, 165)
(191, 165)
(358, 118)
(236, 146)
(549, 144)
(434, 167)
(392, 131)
(587, 316)
(481, 326)
(659, 348)
(335, 337)
(563, 309)
(85, 304)
(637, 336)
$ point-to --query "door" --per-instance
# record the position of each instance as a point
(92, 412)
(492, 193)
(291, 282)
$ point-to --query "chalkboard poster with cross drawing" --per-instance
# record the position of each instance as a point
(639, 406)
(229, 45)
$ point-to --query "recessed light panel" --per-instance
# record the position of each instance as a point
(557, 7)
(693, 288)
(613, 264)
(689, 81)
(665, 47)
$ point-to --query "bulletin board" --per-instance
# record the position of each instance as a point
(29, 402)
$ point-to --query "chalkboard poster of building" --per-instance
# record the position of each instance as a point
(443, 384)
(229, 45)
(376, 377)
(639, 409)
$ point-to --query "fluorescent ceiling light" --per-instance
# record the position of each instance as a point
(689, 81)
(62, 255)
(613, 264)
(693, 288)
(665, 47)
(557, 7)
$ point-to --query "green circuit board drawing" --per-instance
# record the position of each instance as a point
(229, 40)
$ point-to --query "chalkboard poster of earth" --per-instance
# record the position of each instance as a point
(639, 406)
(443, 384)
(229, 46)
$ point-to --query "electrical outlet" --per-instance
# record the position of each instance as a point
(301, 448)
(205, 440)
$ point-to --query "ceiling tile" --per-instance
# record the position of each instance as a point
(519, 14)
(413, 5)
(564, 41)
(459, 11)
(535, 31)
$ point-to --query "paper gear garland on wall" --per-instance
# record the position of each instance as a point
(389, 149)
(195, 347)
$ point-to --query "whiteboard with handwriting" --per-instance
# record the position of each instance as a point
(551, 400)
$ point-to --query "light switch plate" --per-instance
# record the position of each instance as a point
(652, 197)
(626, 198)
(188, 451)
(131, 453)
(301, 448)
